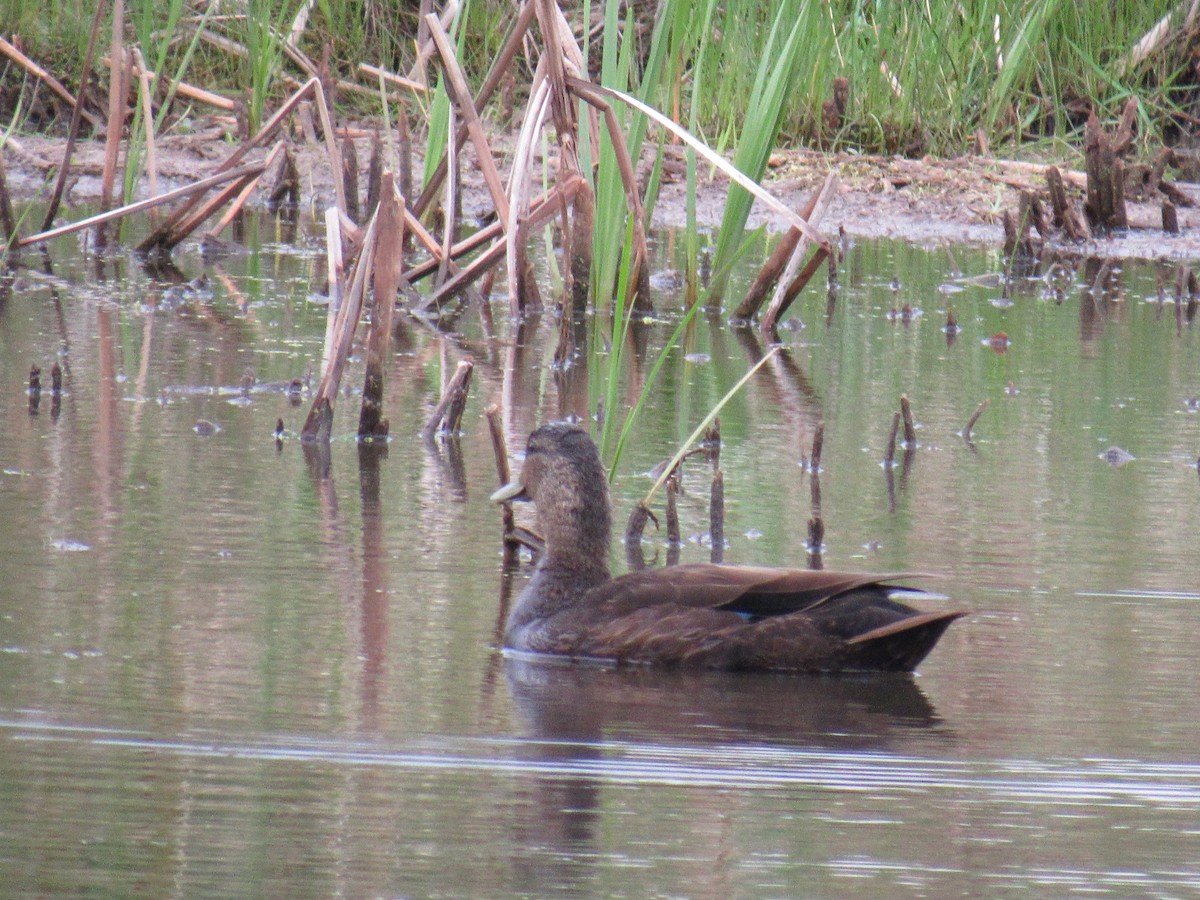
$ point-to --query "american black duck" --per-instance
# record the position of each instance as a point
(697, 616)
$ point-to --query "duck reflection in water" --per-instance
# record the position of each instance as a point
(703, 616)
(592, 733)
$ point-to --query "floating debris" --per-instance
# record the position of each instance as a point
(206, 428)
(998, 342)
(66, 545)
(698, 358)
(666, 280)
(1115, 456)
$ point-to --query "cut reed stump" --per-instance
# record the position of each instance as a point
(389, 260)
(1170, 218)
(716, 518)
(1062, 214)
(910, 429)
(1104, 155)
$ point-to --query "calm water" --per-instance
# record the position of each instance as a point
(229, 670)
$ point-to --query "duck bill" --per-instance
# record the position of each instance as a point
(514, 490)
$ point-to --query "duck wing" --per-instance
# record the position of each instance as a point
(731, 617)
(750, 592)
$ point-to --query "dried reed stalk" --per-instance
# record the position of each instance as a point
(500, 67)
(139, 70)
(118, 90)
(311, 87)
(248, 185)
(773, 267)
(504, 474)
(53, 83)
(790, 284)
(460, 95)
(447, 415)
(318, 425)
(200, 186)
(389, 260)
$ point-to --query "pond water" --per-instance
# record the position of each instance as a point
(230, 668)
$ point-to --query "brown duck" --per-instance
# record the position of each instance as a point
(694, 616)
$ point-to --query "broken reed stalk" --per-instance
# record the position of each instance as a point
(375, 174)
(188, 190)
(392, 78)
(311, 87)
(336, 279)
(460, 95)
(56, 86)
(910, 430)
(139, 68)
(286, 190)
(182, 88)
(716, 518)
(318, 426)
(242, 188)
(673, 536)
(966, 433)
(792, 280)
(389, 261)
(7, 221)
(246, 188)
(500, 67)
(773, 267)
(889, 455)
(504, 474)
(636, 526)
(450, 203)
(447, 415)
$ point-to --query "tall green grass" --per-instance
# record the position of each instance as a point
(924, 75)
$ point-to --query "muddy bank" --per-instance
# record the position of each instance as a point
(922, 201)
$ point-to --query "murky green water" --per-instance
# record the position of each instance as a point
(227, 670)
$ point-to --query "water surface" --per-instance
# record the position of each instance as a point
(228, 667)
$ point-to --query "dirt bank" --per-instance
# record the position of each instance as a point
(923, 201)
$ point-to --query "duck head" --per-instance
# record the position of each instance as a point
(563, 477)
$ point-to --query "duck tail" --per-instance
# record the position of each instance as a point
(899, 646)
